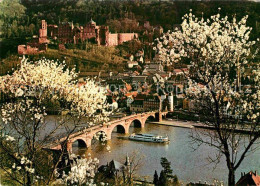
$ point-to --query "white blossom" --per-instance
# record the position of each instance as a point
(82, 172)
(216, 49)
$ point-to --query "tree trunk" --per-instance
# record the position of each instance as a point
(231, 177)
(29, 183)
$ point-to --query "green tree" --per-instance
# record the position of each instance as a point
(155, 178)
(11, 12)
(31, 29)
(166, 166)
(162, 179)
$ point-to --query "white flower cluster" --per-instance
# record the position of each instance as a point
(250, 104)
(26, 163)
(82, 172)
(8, 138)
(218, 52)
(100, 136)
(212, 40)
(35, 112)
(47, 79)
(34, 76)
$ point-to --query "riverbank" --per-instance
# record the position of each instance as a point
(192, 124)
(175, 123)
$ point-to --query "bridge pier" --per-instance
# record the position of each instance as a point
(69, 146)
(127, 129)
(109, 135)
(158, 116)
(88, 144)
(143, 124)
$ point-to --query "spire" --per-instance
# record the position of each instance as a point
(91, 21)
(127, 162)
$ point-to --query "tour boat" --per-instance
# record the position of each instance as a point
(149, 138)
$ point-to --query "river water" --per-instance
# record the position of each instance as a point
(187, 164)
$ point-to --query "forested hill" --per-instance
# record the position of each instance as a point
(162, 13)
(19, 20)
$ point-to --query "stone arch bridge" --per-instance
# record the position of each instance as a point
(84, 137)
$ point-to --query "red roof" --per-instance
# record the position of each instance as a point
(131, 94)
(140, 97)
(250, 178)
(180, 70)
(81, 84)
(128, 87)
(177, 70)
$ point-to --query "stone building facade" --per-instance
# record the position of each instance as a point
(37, 44)
(66, 32)
(146, 103)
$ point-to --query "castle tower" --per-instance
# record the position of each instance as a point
(170, 98)
(120, 38)
(43, 33)
(43, 30)
(102, 35)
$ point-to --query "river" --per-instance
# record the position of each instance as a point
(187, 164)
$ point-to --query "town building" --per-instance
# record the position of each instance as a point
(131, 64)
(138, 79)
(152, 68)
(251, 178)
(138, 104)
(145, 103)
(152, 103)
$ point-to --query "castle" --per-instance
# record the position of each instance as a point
(66, 32)
(37, 44)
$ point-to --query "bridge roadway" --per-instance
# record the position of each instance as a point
(85, 136)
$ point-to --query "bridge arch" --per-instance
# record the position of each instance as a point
(120, 128)
(82, 142)
(150, 118)
(136, 122)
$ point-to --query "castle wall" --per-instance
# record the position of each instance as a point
(89, 32)
(21, 49)
(43, 40)
(52, 31)
(31, 49)
(112, 39)
(123, 37)
(65, 33)
(26, 49)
